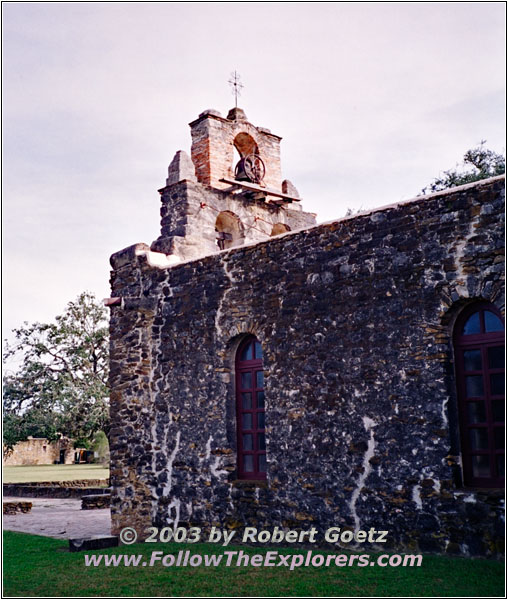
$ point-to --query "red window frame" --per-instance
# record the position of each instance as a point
(250, 411)
(481, 428)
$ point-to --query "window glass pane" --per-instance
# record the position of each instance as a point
(259, 379)
(499, 438)
(473, 360)
(498, 410)
(258, 352)
(246, 382)
(246, 400)
(261, 420)
(262, 463)
(261, 399)
(497, 384)
(500, 465)
(481, 466)
(472, 325)
(476, 412)
(247, 352)
(496, 357)
(474, 386)
(248, 463)
(247, 441)
(479, 439)
(261, 441)
(247, 421)
(492, 322)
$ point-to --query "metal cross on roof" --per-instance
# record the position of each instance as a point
(236, 86)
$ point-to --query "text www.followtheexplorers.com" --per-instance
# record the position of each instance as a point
(238, 558)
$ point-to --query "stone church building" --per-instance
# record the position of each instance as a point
(268, 371)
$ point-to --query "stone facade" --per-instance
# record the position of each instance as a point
(39, 451)
(214, 139)
(355, 318)
(197, 206)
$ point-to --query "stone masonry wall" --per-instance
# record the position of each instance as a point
(189, 212)
(355, 318)
(212, 150)
(39, 451)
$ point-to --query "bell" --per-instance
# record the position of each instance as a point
(250, 168)
(240, 172)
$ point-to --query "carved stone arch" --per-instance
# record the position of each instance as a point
(230, 230)
(444, 335)
(479, 347)
(250, 410)
(279, 228)
(245, 144)
(231, 349)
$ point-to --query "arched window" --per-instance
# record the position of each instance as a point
(250, 410)
(245, 144)
(479, 358)
(279, 228)
(229, 230)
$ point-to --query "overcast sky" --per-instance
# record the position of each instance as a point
(373, 100)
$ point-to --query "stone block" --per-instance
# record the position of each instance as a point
(181, 168)
(13, 508)
(95, 501)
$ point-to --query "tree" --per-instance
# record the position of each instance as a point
(485, 163)
(61, 386)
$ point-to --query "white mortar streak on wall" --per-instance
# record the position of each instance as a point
(232, 281)
(368, 423)
(175, 503)
(208, 447)
(169, 468)
(459, 255)
(214, 470)
(416, 496)
(443, 413)
(154, 465)
(470, 499)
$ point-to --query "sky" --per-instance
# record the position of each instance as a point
(372, 100)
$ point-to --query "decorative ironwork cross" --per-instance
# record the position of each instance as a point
(236, 86)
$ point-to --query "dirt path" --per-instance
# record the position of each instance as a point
(58, 518)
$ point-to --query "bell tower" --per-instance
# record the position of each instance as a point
(214, 140)
(213, 201)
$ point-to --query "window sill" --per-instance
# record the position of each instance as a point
(242, 483)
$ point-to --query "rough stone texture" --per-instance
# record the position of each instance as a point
(355, 318)
(195, 203)
(289, 189)
(60, 518)
(180, 168)
(214, 139)
(189, 214)
(13, 508)
(95, 501)
(53, 490)
(39, 451)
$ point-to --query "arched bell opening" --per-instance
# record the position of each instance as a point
(245, 144)
(229, 230)
(279, 228)
(250, 166)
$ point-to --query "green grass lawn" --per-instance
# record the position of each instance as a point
(33, 473)
(38, 566)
